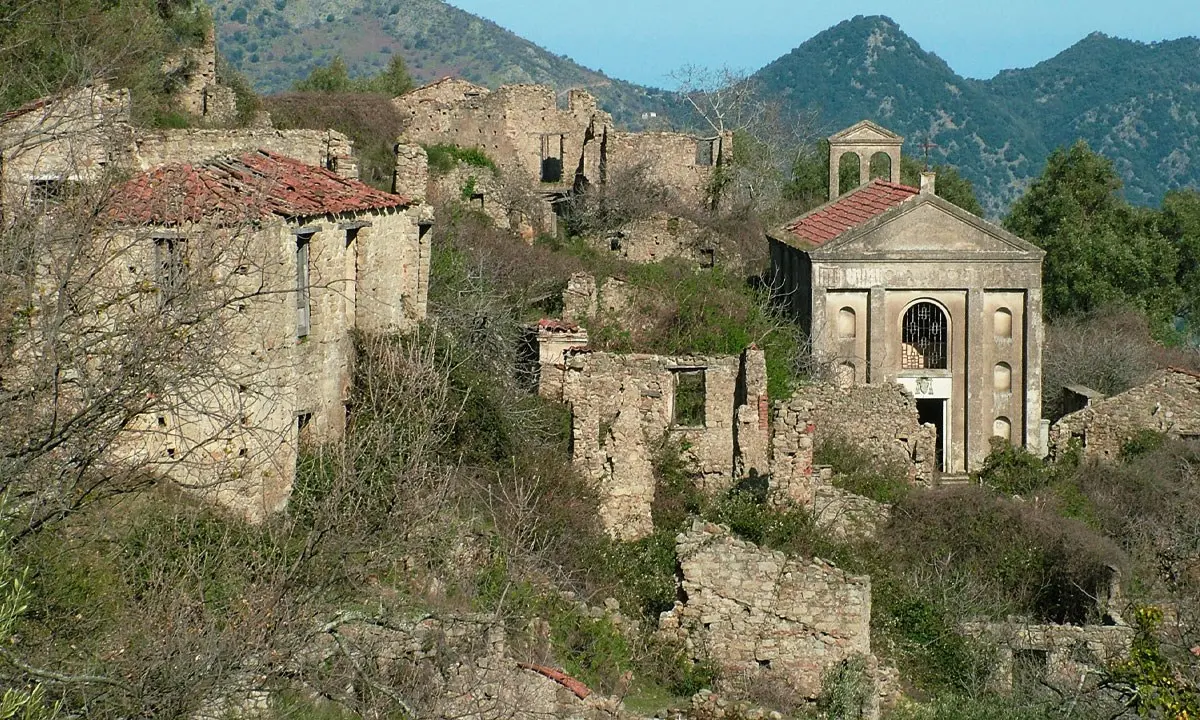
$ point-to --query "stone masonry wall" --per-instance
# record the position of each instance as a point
(1170, 403)
(623, 406)
(1062, 655)
(324, 148)
(659, 237)
(879, 418)
(756, 611)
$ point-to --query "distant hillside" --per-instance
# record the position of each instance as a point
(1137, 103)
(276, 42)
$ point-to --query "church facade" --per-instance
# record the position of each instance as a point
(896, 285)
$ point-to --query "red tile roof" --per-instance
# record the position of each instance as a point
(237, 189)
(557, 326)
(849, 211)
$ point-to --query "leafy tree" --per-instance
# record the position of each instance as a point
(1181, 224)
(334, 77)
(1099, 250)
(393, 81)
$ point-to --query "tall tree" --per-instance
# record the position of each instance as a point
(1099, 250)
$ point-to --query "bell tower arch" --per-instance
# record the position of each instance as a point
(863, 139)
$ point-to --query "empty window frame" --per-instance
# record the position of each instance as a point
(706, 152)
(170, 268)
(553, 152)
(303, 300)
(689, 397)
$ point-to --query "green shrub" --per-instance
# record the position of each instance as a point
(856, 470)
(1012, 470)
(444, 157)
(1142, 442)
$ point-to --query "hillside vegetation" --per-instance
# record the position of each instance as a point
(1136, 103)
(277, 42)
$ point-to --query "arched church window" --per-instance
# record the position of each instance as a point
(923, 338)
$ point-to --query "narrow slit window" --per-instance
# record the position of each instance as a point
(303, 305)
(170, 268)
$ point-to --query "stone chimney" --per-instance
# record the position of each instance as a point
(928, 180)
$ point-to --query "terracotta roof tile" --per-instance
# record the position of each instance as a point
(849, 211)
(557, 326)
(238, 189)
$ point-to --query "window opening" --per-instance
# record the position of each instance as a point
(708, 258)
(689, 398)
(553, 151)
(303, 307)
(705, 152)
(170, 268)
(923, 338)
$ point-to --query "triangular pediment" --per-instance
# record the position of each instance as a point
(926, 228)
(865, 132)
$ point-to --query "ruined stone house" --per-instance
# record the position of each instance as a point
(306, 257)
(556, 148)
(86, 135)
(760, 614)
(895, 285)
(1169, 403)
(624, 406)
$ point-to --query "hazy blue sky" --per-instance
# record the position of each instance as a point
(643, 40)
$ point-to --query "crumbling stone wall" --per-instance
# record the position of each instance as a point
(200, 94)
(520, 125)
(516, 125)
(73, 138)
(624, 405)
(411, 175)
(672, 160)
(659, 237)
(1064, 656)
(324, 148)
(757, 611)
(881, 419)
(794, 478)
(1169, 403)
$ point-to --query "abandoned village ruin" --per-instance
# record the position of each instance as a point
(924, 320)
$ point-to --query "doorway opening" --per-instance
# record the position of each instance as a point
(933, 412)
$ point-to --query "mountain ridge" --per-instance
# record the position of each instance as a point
(1136, 102)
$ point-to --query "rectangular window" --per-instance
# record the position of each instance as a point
(170, 268)
(689, 397)
(303, 310)
(706, 152)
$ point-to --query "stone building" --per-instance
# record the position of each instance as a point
(760, 613)
(85, 135)
(51, 144)
(623, 407)
(557, 148)
(297, 257)
(1169, 403)
(896, 285)
(1067, 657)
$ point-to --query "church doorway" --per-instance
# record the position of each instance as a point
(932, 411)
